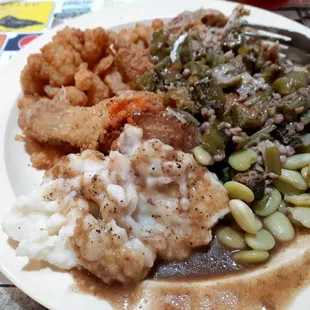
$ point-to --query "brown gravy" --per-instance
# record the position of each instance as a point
(209, 280)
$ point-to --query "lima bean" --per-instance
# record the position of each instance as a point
(238, 190)
(242, 160)
(301, 215)
(202, 156)
(297, 161)
(305, 172)
(230, 237)
(298, 200)
(268, 204)
(283, 207)
(259, 224)
(243, 215)
(250, 257)
(280, 226)
(286, 188)
(263, 240)
(294, 178)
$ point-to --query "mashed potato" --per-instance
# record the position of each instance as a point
(115, 215)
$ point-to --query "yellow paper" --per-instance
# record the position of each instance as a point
(25, 16)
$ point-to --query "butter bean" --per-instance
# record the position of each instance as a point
(301, 215)
(238, 190)
(297, 161)
(294, 178)
(298, 200)
(230, 237)
(243, 215)
(283, 207)
(263, 240)
(280, 226)
(268, 204)
(242, 160)
(202, 156)
(250, 257)
(305, 172)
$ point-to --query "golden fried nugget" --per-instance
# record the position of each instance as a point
(86, 80)
(115, 82)
(75, 96)
(131, 59)
(104, 64)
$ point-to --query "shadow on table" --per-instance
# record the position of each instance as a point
(11, 298)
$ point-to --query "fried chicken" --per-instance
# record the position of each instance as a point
(169, 130)
(91, 62)
(131, 59)
(84, 127)
(96, 89)
(60, 59)
(74, 95)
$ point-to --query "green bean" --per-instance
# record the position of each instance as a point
(263, 240)
(301, 215)
(146, 82)
(237, 190)
(218, 60)
(242, 160)
(232, 39)
(297, 161)
(258, 136)
(243, 50)
(243, 119)
(250, 257)
(299, 78)
(289, 83)
(214, 140)
(272, 159)
(243, 215)
(268, 204)
(294, 178)
(207, 91)
(160, 46)
(230, 81)
(298, 200)
(280, 226)
(272, 72)
(202, 156)
(283, 86)
(180, 98)
(230, 237)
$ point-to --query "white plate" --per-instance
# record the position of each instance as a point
(49, 287)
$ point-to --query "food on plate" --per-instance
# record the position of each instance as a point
(57, 120)
(114, 215)
(160, 137)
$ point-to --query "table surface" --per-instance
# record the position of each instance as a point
(11, 298)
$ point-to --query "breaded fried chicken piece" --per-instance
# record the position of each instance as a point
(86, 80)
(131, 59)
(60, 59)
(74, 95)
(84, 127)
